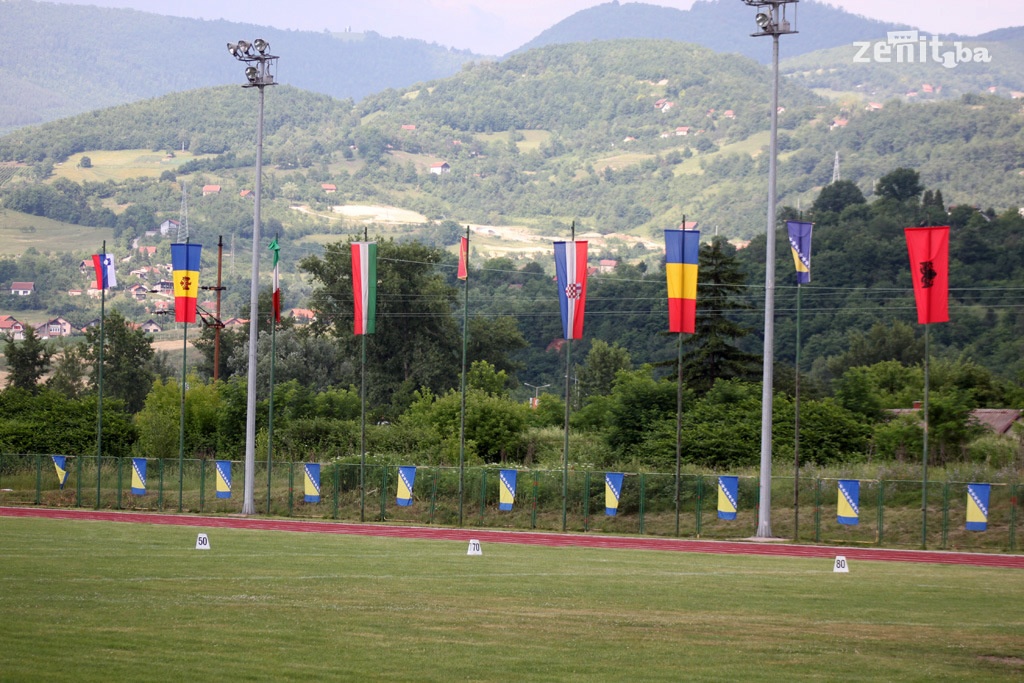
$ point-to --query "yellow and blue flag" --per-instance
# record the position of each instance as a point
(185, 260)
(223, 478)
(139, 476)
(977, 506)
(848, 510)
(800, 245)
(728, 494)
(406, 479)
(506, 489)
(612, 491)
(311, 475)
(682, 255)
(60, 464)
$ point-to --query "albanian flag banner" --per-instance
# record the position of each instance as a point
(929, 267)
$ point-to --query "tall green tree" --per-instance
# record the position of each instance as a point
(127, 360)
(27, 360)
(603, 362)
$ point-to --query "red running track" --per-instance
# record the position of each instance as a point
(528, 537)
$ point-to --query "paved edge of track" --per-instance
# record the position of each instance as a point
(550, 539)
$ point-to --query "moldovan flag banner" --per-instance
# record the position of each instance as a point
(185, 260)
(800, 244)
(571, 269)
(139, 476)
(223, 478)
(977, 506)
(682, 249)
(311, 475)
(105, 275)
(728, 494)
(506, 489)
(929, 267)
(364, 286)
(612, 491)
(59, 463)
(848, 510)
(463, 258)
(406, 479)
(276, 297)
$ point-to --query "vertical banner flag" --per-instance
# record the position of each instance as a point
(728, 494)
(848, 510)
(929, 267)
(612, 490)
(60, 464)
(364, 286)
(223, 478)
(105, 275)
(800, 244)
(571, 269)
(977, 506)
(463, 273)
(139, 476)
(682, 250)
(506, 489)
(406, 479)
(277, 281)
(185, 260)
(311, 475)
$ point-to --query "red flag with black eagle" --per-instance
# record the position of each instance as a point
(929, 267)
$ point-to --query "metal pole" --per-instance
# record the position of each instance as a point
(99, 385)
(216, 328)
(462, 425)
(362, 433)
(924, 459)
(565, 448)
(270, 413)
(181, 420)
(796, 428)
(679, 419)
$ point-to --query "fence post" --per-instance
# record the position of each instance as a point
(881, 510)
(202, 486)
(291, 487)
(586, 500)
(433, 498)
(120, 480)
(945, 514)
(483, 494)
(160, 493)
(643, 498)
(337, 488)
(700, 501)
(383, 491)
(39, 479)
(536, 488)
(78, 483)
(1013, 517)
(817, 510)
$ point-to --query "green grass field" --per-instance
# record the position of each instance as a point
(92, 601)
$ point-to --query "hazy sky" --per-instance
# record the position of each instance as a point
(499, 26)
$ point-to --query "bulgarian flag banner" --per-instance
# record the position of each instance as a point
(364, 286)
(277, 282)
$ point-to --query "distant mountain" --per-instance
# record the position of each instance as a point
(61, 60)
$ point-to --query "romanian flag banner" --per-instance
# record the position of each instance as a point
(929, 266)
(60, 464)
(406, 479)
(728, 495)
(277, 281)
(977, 506)
(506, 489)
(311, 477)
(848, 510)
(364, 286)
(139, 476)
(612, 491)
(105, 275)
(682, 251)
(185, 260)
(223, 478)
(463, 258)
(800, 244)
(571, 269)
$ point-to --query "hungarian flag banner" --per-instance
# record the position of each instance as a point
(185, 259)
(682, 249)
(463, 258)
(800, 244)
(929, 266)
(571, 269)
(105, 275)
(364, 286)
(277, 282)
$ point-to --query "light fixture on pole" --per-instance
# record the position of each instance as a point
(771, 21)
(536, 389)
(259, 73)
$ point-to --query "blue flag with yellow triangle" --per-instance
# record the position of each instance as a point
(506, 489)
(406, 480)
(977, 506)
(139, 476)
(311, 478)
(223, 478)
(848, 509)
(612, 491)
(60, 464)
(728, 494)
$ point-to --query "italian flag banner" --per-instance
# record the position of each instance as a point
(364, 286)
(277, 280)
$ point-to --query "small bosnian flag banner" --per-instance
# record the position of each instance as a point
(977, 506)
(311, 475)
(364, 286)
(728, 495)
(612, 491)
(406, 479)
(139, 476)
(223, 478)
(848, 508)
(60, 464)
(506, 489)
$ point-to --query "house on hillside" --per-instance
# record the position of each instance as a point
(58, 327)
(138, 292)
(211, 189)
(997, 420)
(606, 265)
(301, 316)
(164, 287)
(151, 327)
(440, 168)
(11, 328)
(168, 226)
(22, 288)
(329, 188)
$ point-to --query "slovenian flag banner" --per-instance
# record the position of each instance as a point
(929, 267)
(612, 491)
(800, 244)
(728, 494)
(977, 506)
(139, 476)
(105, 275)
(682, 251)
(60, 464)
(185, 260)
(223, 478)
(364, 286)
(276, 290)
(463, 273)
(506, 489)
(848, 510)
(406, 479)
(311, 475)
(571, 271)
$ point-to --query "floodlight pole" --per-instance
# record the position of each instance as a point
(771, 20)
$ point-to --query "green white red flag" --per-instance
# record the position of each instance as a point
(364, 286)
(277, 282)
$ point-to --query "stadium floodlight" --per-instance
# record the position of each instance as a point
(261, 46)
(763, 20)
